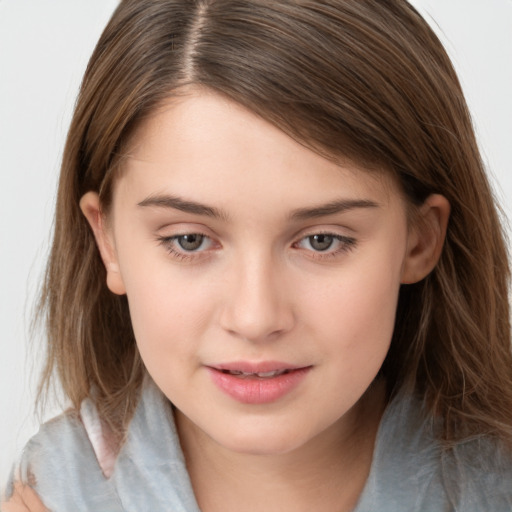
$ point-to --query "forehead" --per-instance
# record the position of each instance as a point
(204, 145)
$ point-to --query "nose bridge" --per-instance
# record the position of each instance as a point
(257, 307)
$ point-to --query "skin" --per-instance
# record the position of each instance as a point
(23, 499)
(259, 289)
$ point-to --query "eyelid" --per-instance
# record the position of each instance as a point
(343, 243)
(169, 244)
(346, 243)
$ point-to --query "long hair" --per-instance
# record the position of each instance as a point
(364, 79)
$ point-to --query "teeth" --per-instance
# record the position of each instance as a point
(261, 375)
(275, 373)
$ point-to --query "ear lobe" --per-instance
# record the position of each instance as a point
(90, 206)
(426, 239)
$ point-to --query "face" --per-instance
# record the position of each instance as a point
(262, 279)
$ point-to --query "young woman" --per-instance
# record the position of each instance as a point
(278, 279)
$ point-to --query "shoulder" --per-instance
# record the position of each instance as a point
(46, 457)
(61, 463)
(477, 474)
(59, 466)
(57, 445)
(54, 445)
(412, 471)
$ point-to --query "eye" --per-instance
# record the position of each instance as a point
(187, 246)
(192, 242)
(328, 244)
(320, 242)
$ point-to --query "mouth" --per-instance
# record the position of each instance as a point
(258, 383)
(256, 375)
(261, 370)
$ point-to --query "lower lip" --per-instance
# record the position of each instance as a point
(254, 390)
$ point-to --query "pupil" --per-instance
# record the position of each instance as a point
(190, 242)
(321, 242)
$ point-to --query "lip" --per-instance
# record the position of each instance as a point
(254, 389)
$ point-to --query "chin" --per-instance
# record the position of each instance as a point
(261, 441)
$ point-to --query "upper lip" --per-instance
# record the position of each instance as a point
(255, 367)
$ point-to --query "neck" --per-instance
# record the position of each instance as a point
(331, 469)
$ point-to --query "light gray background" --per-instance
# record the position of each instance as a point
(44, 47)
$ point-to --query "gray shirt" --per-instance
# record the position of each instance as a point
(410, 470)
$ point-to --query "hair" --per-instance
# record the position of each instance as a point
(366, 80)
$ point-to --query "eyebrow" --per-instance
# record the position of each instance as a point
(339, 206)
(195, 208)
(177, 203)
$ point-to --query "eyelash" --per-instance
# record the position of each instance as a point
(345, 244)
(169, 241)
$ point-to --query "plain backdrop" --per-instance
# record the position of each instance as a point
(44, 48)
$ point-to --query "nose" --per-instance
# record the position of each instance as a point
(258, 306)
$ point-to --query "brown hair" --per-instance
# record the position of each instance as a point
(364, 79)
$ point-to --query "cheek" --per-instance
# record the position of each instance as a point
(163, 310)
(356, 311)
(168, 309)
(168, 326)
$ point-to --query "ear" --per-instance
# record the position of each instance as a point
(426, 238)
(90, 206)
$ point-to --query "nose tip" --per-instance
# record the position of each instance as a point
(258, 308)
